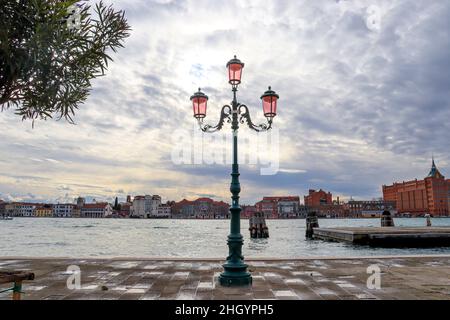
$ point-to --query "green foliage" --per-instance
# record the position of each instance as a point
(46, 61)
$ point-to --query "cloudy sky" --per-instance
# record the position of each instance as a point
(364, 100)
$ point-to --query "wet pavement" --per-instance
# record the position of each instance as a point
(420, 277)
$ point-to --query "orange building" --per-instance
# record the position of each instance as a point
(318, 198)
(417, 197)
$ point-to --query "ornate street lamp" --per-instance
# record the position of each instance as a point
(235, 270)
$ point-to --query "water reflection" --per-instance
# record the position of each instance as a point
(255, 244)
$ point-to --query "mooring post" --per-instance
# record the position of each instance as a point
(386, 219)
(428, 216)
(17, 289)
(311, 223)
(257, 226)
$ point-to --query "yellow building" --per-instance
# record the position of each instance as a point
(44, 211)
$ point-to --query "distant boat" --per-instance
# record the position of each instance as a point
(6, 218)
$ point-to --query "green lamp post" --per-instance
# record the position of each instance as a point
(235, 270)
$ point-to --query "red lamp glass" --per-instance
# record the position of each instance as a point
(234, 71)
(199, 102)
(269, 103)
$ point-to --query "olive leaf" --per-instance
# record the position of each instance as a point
(50, 50)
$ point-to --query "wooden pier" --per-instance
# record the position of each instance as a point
(416, 237)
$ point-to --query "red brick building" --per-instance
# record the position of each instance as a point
(279, 207)
(247, 211)
(417, 197)
(125, 209)
(448, 186)
(268, 206)
(318, 198)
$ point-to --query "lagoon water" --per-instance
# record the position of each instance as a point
(59, 237)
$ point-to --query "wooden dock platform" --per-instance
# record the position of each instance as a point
(417, 237)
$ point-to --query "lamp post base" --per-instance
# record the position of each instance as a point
(235, 275)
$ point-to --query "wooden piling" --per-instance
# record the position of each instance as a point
(428, 217)
(311, 223)
(257, 226)
(16, 277)
(386, 219)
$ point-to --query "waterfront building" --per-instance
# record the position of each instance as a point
(318, 198)
(80, 201)
(44, 210)
(76, 212)
(333, 210)
(2, 207)
(201, 208)
(369, 208)
(268, 207)
(183, 209)
(247, 211)
(96, 210)
(419, 197)
(20, 209)
(288, 207)
(146, 206)
(10, 209)
(279, 207)
(26, 209)
(154, 204)
(302, 211)
(64, 210)
(125, 209)
(138, 207)
(164, 211)
(448, 187)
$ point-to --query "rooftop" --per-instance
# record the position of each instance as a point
(99, 205)
(434, 172)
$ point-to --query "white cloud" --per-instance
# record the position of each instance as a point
(358, 107)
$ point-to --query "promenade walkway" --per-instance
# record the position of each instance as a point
(402, 277)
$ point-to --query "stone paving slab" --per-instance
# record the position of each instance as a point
(402, 277)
